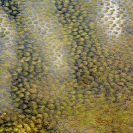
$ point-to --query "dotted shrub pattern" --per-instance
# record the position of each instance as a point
(66, 66)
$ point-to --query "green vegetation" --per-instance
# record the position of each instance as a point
(66, 76)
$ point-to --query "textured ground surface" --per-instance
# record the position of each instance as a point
(66, 66)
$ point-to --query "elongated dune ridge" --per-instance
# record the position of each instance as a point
(66, 66)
